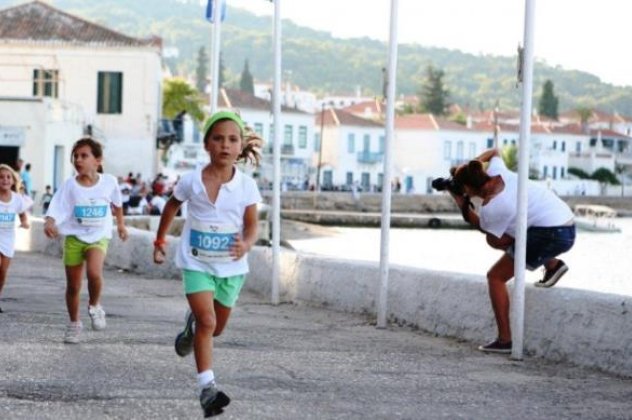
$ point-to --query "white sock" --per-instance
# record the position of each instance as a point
(205, 378)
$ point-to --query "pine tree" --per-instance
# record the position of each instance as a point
(201, 71)
(548, 103)
(434, 96)
(246, 83)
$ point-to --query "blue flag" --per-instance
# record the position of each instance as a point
(209, 10)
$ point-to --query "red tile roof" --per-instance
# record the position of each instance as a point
(426, 122)
(339, 117)
(238, 99)
(38, 22)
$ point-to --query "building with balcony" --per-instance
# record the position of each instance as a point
(351, 152)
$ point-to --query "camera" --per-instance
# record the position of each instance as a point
(442, 184)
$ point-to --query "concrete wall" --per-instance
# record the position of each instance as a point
(586, 328)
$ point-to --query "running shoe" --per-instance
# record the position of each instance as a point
(72, 335)
(184, 340)
(212, 400)
(97, 317)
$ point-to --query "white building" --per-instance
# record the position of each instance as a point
(110, 81)
(352, 151)
(297, 140)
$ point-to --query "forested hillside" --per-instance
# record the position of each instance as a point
(317, 61)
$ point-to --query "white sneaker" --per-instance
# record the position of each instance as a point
(97, 316)
(73, 332)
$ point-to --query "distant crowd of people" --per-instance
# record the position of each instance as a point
(143, 197)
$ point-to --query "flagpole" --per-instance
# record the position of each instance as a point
(276, 157)
(518, 305)
(386, 179)
(215, 48)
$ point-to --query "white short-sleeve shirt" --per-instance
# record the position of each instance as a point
(9, 216)
(85, 212)
(209, 227)
(544, 208)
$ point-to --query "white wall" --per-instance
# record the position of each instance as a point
(129, 135)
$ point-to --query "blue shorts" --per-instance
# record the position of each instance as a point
(546, 243)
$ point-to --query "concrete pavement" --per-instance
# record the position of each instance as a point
(285, 362)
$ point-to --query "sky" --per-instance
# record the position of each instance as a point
(583, 35)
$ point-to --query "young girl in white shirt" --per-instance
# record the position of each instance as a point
(11, 204)
(81, 211)
(220, 228)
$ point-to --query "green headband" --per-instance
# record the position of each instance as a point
(223, 115)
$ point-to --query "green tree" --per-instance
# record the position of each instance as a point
(605, 176)
(201, 71)
(584, 114)
(548, 104)
(246, 83)
(179, 96)
(579, 173)
(434, 95)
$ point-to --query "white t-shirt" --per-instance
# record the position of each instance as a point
(209, 227)
(9, 217)
(544, 208)
(85, 211)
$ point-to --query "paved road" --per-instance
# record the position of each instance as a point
(285, 362)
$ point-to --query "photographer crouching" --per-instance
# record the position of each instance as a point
(550, 229)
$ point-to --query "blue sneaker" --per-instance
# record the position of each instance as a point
(184, 340)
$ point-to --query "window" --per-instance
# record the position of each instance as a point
(288, 134)
(545, 172)
(46, 83)
(381, 145)
(316, 142)
(351, 143)
(447, 150)
(259, 129)
(349, 178)
(563, 146)
(554, 144)
(110, 93)
(554, 172)
(490, 143)
(578, 147)
(366, 143)
(562, 172)
(472, 152)
(459, 150)
(302, 137)
(366, 181)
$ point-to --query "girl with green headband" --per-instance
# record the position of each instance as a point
(220, 229)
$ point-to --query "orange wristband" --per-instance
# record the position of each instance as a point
(160, 242)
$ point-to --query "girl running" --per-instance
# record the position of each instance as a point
(11, 204)
(81, 210)
(220, 229)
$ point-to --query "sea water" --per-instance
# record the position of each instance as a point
(599, 262)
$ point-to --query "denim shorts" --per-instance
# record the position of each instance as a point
(546, 243)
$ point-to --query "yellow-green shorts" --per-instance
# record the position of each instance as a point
(75, 249)
(225, 289)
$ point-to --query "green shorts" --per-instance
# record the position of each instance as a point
(225, 289)
(75, 249)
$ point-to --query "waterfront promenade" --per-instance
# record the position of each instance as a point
(276, 362)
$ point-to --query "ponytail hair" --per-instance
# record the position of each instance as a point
(252, 143)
